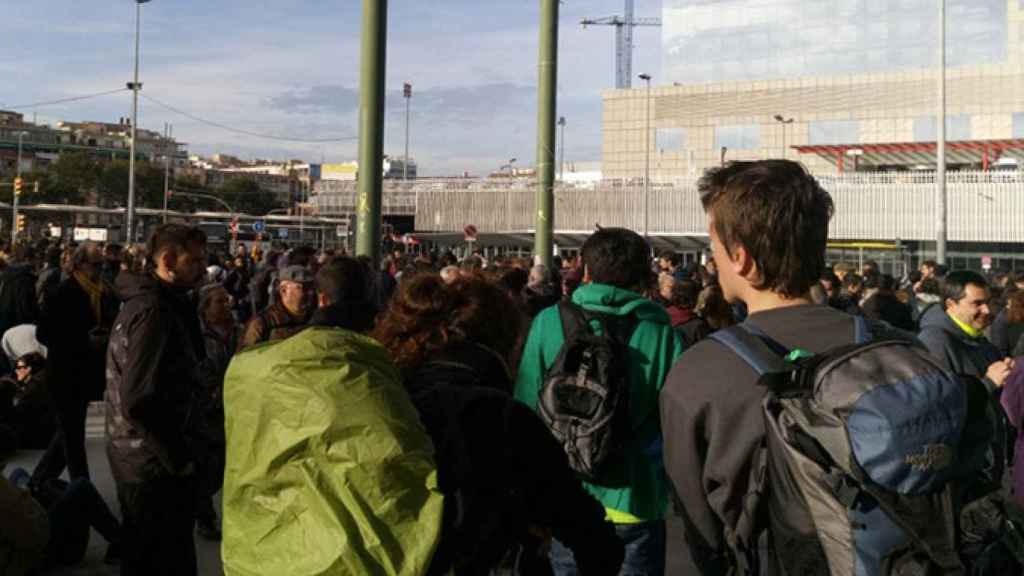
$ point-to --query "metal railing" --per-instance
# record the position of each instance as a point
(983, 206)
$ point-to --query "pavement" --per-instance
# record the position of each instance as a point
(208, 553)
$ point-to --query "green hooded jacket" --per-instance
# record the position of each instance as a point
(329, 470)
(654, 347)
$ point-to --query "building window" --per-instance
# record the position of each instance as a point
(957, 128)
(746, 137)
(827, 132)
(1018, 122)
(671, 139)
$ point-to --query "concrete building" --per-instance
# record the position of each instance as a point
(393, 169)
(42, 144)
(837, 84)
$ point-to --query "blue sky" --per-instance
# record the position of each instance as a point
(291, 68)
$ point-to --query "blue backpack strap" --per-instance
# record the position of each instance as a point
(756, 348)
(861, 330)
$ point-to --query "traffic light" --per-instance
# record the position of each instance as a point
(21, 222)
(17, 186)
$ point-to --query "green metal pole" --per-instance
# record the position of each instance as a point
(546, 117)
(371, 128)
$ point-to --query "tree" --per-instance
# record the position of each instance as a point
(246, 195)
(149, 185)
(69, 180)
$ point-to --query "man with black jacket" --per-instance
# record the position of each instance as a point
(155, 349)
(74, 328)
(18, 303)
(768, 225)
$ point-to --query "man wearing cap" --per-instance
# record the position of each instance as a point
(290, 312)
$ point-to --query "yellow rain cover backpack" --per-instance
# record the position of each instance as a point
(329, 470)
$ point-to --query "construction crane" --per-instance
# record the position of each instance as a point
(623, 40)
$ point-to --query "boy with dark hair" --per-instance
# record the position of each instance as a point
(768, 225)
(615, 276)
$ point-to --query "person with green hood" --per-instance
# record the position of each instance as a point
(616, 275)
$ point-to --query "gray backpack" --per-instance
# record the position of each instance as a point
(876, 461)
(584, 399)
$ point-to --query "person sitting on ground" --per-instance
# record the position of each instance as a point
(26, 414)
(504, 476)
(56, 518)
(288, 315)
(342, 301)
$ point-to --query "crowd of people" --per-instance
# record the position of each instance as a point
(570, 408)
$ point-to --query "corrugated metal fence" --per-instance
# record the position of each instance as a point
(982, 206)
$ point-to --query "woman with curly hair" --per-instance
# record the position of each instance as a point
(507, 483)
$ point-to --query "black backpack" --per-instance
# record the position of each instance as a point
(584, 399)
(876, 461)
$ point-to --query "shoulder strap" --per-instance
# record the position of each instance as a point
(573, 319)
(755, 347)
(861, 330)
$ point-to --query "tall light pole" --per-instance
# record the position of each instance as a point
(940, 146)
(135, 87)
(167, 178)
(407, 94)
(15, 194)
(785, 122)
(167, 169)
(647, 151)
(561, 161)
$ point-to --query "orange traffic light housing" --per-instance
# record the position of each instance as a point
(17, 186)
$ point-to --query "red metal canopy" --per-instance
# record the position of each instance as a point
(982, 152)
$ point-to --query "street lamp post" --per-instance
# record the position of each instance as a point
(785, 122)
(561, 161)
(135, 87)
(407, 94)
(940, 145)
(167, 178)
(647, 151)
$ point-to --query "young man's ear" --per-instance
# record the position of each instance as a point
(742, 263)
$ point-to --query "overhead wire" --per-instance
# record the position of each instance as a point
(65, 100)
(245, 132)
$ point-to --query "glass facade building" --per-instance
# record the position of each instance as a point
(743, 40)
